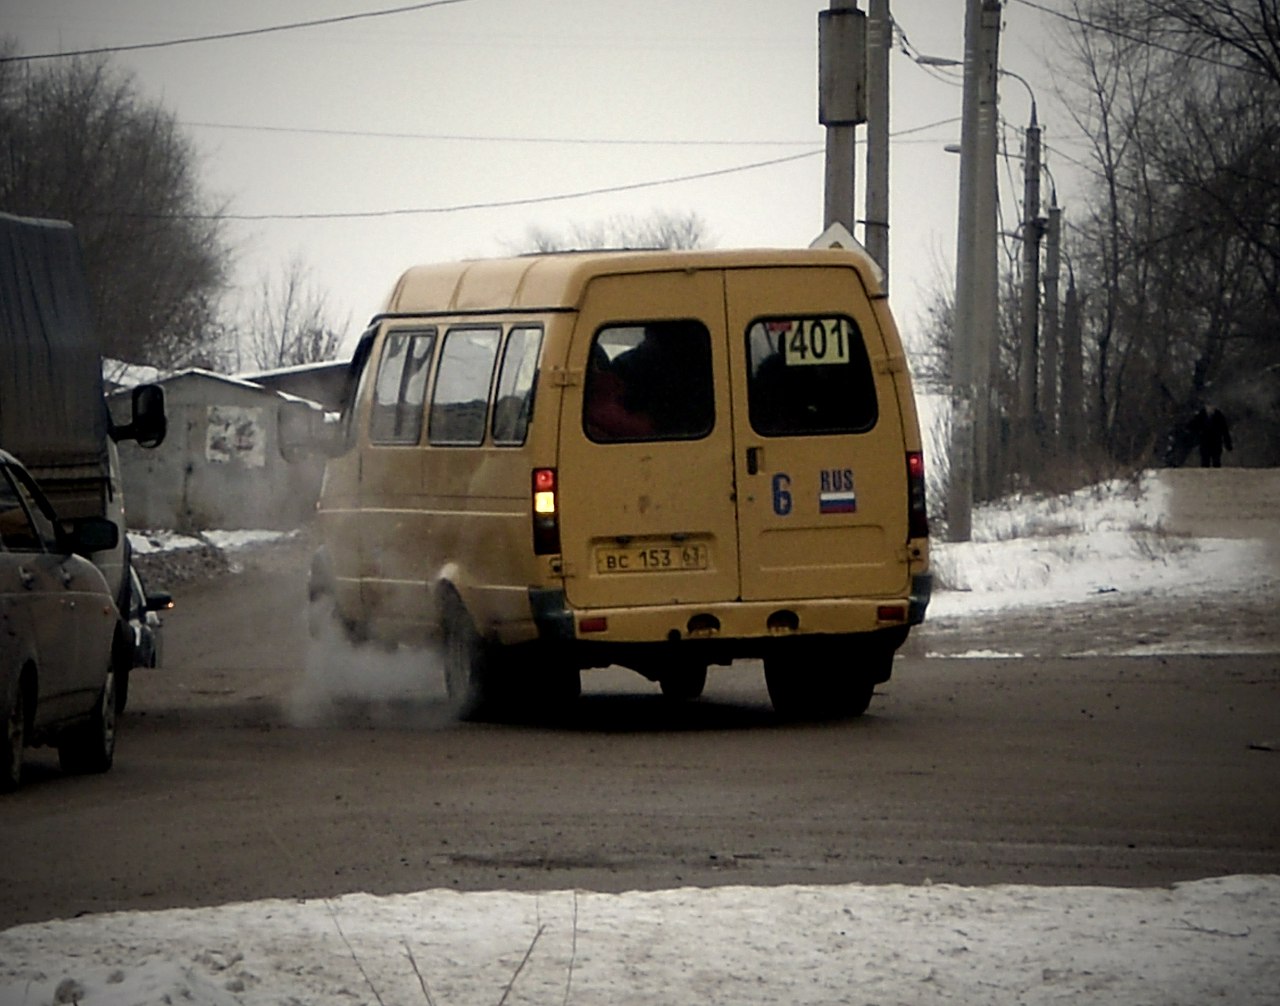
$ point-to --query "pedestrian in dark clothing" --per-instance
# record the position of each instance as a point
(1211, 428)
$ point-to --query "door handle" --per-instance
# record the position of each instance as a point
(753, 460)
(27, 577)
(66, 576)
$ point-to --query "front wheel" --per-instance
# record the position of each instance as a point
(91, 747)
(15, 740)
(122, 657)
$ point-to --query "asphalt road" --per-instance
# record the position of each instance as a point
(239, 776)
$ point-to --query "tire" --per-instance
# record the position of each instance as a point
(802, 688)
(91, 747)
(557, 687)
(15, 740)
(122, 657)
(122, 691)
(323, 617)
(683, 682)
(323, 614)
(469, 670)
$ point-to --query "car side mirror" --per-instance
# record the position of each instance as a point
(86, 535)
(307, 431)
(159, 601)
(148, 423)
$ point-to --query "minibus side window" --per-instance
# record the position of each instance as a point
(809, 375)
(517, 382)
(460, 404)
(400, 388)
(649, 381)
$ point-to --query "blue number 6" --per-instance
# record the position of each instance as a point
(781, 494)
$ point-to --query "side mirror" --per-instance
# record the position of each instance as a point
(86, 535)
(306, 431)
(159, 601)
(148, 424)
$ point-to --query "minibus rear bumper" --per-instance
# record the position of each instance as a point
(725, 630)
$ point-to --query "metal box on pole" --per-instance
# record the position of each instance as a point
(842, 66)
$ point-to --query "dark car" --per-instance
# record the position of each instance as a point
(144, 621)
(59, 632)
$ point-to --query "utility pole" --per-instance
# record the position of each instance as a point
(986, 303)
(974, 339)
(842, 103)
(1050, 335)
(1073, 410)
(879, 43)
(1029, 342)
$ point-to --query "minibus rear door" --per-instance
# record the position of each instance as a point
(646, 488)
(818, 456)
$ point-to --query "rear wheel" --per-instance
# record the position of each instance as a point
(559, 686)
(91, 747)
(15, 740)
(810, 684)
(683, 682)
(469, 670)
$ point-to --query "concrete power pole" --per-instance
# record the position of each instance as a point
(986, 303)
(1050, 335)
(842, 103)
(1029, 337)
(1073, 409)
(974, 340)
(879, 43)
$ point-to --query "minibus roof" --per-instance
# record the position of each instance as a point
(557, 281)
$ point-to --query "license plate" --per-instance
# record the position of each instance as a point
(651, 559)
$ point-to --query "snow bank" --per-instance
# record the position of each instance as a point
(1209, 940)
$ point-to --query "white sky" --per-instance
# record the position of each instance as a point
(662, 77)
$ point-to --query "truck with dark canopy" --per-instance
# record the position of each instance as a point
(53, 413)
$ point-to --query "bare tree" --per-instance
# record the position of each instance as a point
(79, 143)
(1181, 243)
(288, 323)
(659, 230)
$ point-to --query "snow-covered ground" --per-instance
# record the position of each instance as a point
(1209, 940)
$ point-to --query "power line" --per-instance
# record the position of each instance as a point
(534, 200)
(460, 137)
(907, 49)
(496, 204)
(574, 140)
(243, 33)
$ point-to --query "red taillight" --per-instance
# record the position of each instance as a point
(546, 512)
(917, 513)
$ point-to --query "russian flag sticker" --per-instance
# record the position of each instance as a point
(837, 502)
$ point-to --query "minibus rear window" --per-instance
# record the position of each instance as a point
(809, 375)
(650, 381)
